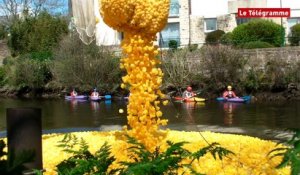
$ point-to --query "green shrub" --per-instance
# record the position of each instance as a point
(294, 38)
(86, 66)
(82, 160)
(256, 44)
(26, 72)
(2, 76)
(193, 47)
(173, 44)
(3, 32)
(41, 56)
(226, 39)
(258, 30)
(253, 79)
(214, 37)
(36, 34)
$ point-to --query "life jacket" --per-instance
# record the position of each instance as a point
(73, 93)
(94, 94)
(188, 94)
(230, 94)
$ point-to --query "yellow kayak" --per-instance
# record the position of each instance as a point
(192, 99)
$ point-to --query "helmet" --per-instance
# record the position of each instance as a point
(229, 87)
(189, 88)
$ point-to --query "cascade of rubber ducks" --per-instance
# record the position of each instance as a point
(140, 21)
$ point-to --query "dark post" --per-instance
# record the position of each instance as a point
(24, 132)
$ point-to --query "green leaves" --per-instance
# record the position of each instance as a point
(141, 161)
(82, 160)
(167, 162)
(147, 163)
(215, 149)
(258, 30)
(294, 37)
(36, 33)
(291, 154)
(214, 37)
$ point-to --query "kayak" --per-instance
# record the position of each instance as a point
(192, 99)
(78, 97)
(236, 100)
(95, 98)
(98, 98)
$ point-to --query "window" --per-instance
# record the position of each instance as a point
(174, 8)
(170, 32)
(210, 24)
(291, 23)
(240, 21)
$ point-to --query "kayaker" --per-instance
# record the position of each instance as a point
(229, 93)
(188, 93)
(74, 93)
(95, 93)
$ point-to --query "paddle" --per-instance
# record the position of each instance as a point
(106, 97)
(246, 98)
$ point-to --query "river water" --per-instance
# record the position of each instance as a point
(261, 119)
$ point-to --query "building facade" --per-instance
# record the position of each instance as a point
(190, 20)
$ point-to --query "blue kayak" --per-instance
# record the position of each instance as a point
(236, 100)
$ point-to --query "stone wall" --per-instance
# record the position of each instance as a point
(197, 35)
(184, 23)
(259, 57)
(289, 54)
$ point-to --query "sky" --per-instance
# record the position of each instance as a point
(62, 9)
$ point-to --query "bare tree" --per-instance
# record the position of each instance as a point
(13, 9)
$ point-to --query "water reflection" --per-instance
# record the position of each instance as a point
(58, 114)
(229, 109)
(74, 104)
(189, 108)
(95, 106)
(107, 104)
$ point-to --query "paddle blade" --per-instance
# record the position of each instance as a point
(246, 98)
(107, 97)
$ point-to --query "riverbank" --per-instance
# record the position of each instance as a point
(271, 80)
(291, 93)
